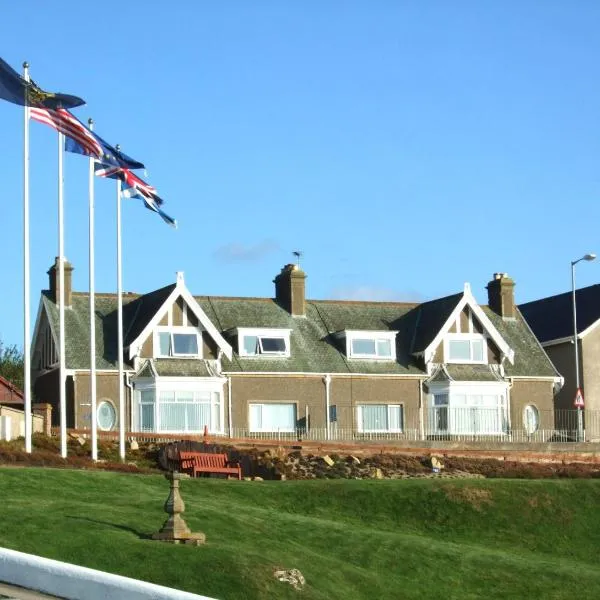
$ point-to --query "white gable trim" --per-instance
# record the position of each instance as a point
(180, 290)
(469, 300)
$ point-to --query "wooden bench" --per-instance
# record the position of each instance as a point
(203, 462)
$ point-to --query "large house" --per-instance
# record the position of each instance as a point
(551, 319)
(289, 366)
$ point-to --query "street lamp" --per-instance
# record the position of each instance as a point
(587, 257)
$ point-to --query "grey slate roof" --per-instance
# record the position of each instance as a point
(465, 373)
(315, 347)
(552, 318)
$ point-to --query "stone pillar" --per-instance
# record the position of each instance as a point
(44, 410)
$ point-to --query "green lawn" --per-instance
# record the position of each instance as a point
(351, 539)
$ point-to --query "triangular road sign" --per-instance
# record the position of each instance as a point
(578, 402)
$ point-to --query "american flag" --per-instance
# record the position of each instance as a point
(64, 122)
(130, 179)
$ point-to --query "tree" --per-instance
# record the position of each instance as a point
(11, 364)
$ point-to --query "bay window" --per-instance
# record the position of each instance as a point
(178, 408)
(467, 408)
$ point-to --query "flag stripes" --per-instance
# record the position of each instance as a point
(64, 122)
(131, 180)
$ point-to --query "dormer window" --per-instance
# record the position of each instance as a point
(269, 342)
(379, 345)
(177, 342)
(465, 348)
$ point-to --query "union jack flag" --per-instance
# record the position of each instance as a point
(64, 122)
(131, 180)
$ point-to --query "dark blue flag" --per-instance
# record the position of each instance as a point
(15, 89)
(110, 155)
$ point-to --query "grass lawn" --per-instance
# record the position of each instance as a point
(351, 539)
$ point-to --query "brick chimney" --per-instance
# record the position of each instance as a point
(53, 274)
(501, 295)
(290, 290)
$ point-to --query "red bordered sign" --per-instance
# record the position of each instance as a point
(578, 402)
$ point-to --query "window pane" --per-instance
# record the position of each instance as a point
(185, 343)
(184, 396)
(250, 344)
(256, 417)
(395, 417)
(147, 417)
(363, 347)
(374, 417)
(272, 344)
(164, 342)
(279, 417)
(106, 415)
(147, 396)
(459, 350)
(531, 418)
(384, 348)
(440, 399)
(477, 346)
(172, 416)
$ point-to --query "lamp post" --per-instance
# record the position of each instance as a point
(587, 257)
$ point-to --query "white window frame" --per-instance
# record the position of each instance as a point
(260, 333)
(252, 429)
(191, 385)
(375, 336)
(466, 337)
(456, 413)
(359, 418)
(175, 330)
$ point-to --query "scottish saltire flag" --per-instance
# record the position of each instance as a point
(14, 88)
(110, 155)
(150, 204)
(64, 122)
(130, 180)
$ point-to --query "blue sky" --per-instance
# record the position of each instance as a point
(404, 147)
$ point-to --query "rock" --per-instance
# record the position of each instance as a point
(247, 478)
(328, 460)
(134, 445)
(436, 463)
(377, 473)
(257, 478)
(291, 576)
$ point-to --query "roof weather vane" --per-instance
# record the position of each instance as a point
(298, 254)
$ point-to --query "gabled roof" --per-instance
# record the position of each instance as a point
(9, 393)
(315, 347)
(551, 318)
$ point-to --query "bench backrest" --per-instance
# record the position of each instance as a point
(202, 459)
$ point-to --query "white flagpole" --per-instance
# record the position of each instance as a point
(120, 327)
(94, 422)
(26, 283)
(61, 308)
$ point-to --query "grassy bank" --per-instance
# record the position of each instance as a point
(351, 539)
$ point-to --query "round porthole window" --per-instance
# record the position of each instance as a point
(531, 419)
(107, 416)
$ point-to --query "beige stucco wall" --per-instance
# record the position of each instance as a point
(537, 393)
(590, 361)
(563, 358)
(309, 395)
(17, 421)
(107, 389)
